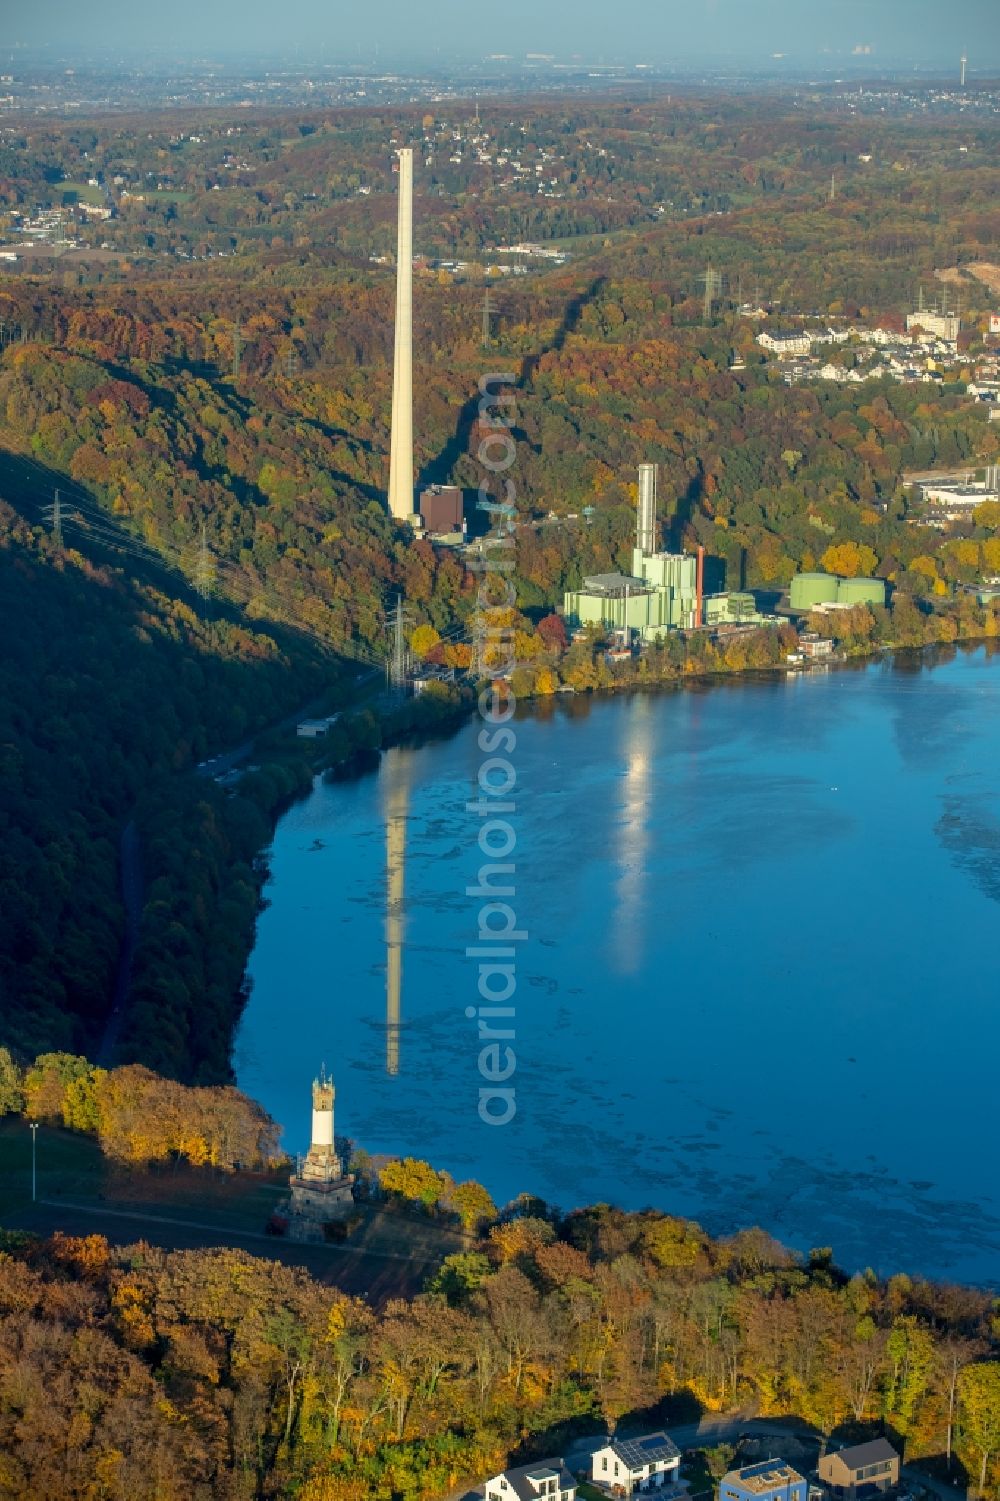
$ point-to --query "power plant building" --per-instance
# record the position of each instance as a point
(809, 591)
(861, 591)
(650, 602)
(660, 594)
(441, 508)
(732, 608)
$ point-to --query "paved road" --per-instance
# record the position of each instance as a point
(229, 760)
(713, 1428)
(940, 476)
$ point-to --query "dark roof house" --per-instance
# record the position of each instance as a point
(650, 1461)
(545, 1478)
(862, 1470)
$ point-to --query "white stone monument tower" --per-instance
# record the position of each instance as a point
(321, 1191)
(401, 440)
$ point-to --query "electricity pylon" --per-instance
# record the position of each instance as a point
(713, 286)
(398, 665)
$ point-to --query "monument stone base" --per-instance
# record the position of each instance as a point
(313, 1205)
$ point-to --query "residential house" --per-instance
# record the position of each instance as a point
(942, 325)
(768, 1480)
(625, 1465)
(864, 1470)
(785, 341)
(546, 1478)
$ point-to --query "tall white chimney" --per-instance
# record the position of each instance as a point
(401, 442)
(645, 528)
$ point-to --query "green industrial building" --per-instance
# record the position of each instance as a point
(734, 608)
(659, 595)
(861, 592)
(807, 590)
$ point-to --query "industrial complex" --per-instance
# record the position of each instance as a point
(665, 590)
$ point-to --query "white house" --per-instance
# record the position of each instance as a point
(941, 325)
(785, 341)
(624, 1465)
(547, 1478)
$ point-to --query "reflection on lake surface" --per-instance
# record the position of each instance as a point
(761, 978)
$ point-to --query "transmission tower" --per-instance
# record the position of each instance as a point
(204, 571)
(291, 362)
(57, 536)
(713, 286)
(239, 339)
(488, 312)
(833, 186)
(398, 666)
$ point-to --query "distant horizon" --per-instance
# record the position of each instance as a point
(469, 78)
(745, 34)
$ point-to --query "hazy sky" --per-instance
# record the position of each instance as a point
(630, 30)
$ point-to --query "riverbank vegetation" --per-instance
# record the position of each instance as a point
(217, 1374)
(139, 1117)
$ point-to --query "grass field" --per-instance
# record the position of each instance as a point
(390, 1254)
(84, 192)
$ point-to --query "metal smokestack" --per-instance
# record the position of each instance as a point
(401, 442)
(699, 617)
(645, 529)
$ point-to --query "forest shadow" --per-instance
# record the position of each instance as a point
(678, 1410)
(28, 486)
(687, 504)
(568, 324)
(438, 470)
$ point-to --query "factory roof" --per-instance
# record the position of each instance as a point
(614, 583)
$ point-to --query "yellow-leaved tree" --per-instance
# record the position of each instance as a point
(979, 1417)
(850, 560)
(424, 640)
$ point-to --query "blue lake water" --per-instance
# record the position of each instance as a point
(761, 982)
